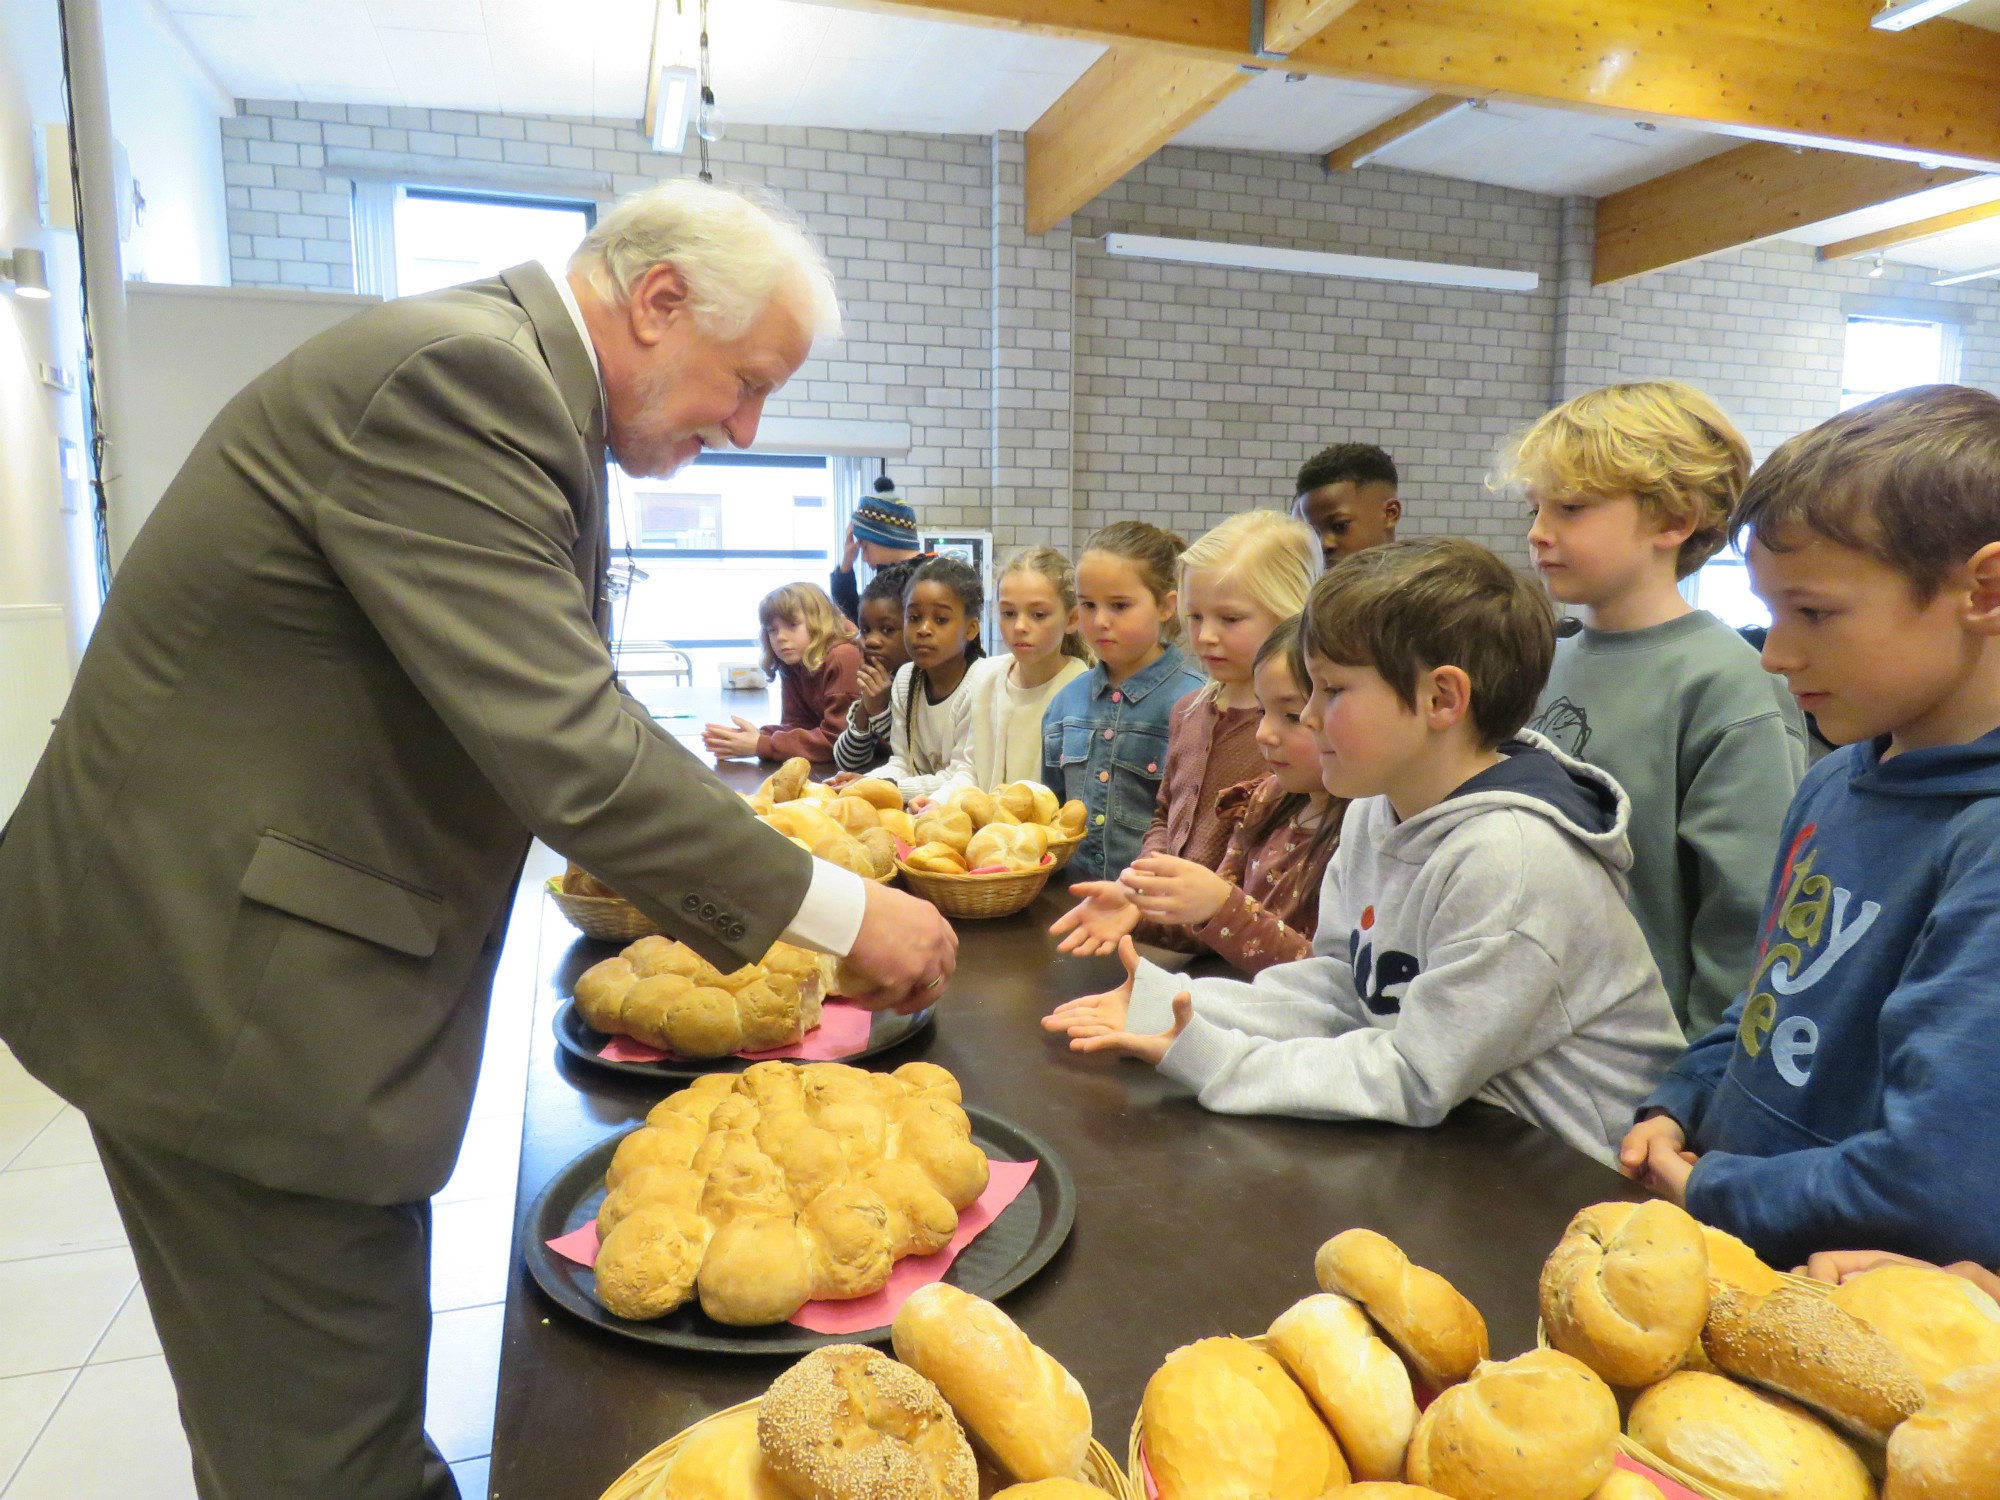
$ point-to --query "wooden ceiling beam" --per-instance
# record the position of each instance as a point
(1743, 195)
(1903, 234)
(1133, 101)
(1356, 152)
(1289, 22)
(1807, 70)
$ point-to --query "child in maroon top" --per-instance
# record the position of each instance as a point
(811, 648)
(1260, 905)
(1237, 583)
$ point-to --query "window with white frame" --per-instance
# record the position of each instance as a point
(1891, 354)
(410, 239)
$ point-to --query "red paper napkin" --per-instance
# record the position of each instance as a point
(842, 1032)
(1007, 1181)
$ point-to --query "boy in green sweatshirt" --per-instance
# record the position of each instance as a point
(1631, 489)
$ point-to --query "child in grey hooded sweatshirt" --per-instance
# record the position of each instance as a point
(1474, 941)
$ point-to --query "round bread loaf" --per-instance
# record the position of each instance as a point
(947, 826)
(1942, 1323)
(1435, 1328)
(1797, 1343)
(1386, 1490)
(720, 1460)
(848, 1423)
(1225, 1422)
(1360, 1385)
(646, 1266)
(1540, 1426)
(1951, 1449)
(1734, 1263)
(884, 796)
(1748, 1445)
(1014, 846)
(1051, 1489)
(1626, 1290)
(1017, 1402)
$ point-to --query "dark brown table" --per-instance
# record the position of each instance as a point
(1188, 1223)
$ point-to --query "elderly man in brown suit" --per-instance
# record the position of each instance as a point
(252, 900)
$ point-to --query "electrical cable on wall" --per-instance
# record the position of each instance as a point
(100, 500)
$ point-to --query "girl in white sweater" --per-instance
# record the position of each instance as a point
(1009, 693)
(932, 730)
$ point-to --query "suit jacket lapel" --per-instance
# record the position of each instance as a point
(576, 377)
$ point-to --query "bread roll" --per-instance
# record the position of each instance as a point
(1951, 1449)
(980, 807)
(847, 1423)
(1381, 1490)
(1797, 1343)
(802, 820)
(652, 956)
(601, 990)
(1436, 1329)
(1017, 799)
(756, 1271)
(1748, 1445)
(854, 813)
(883, 796)
(720, 1460)
(1014, 1399)
(1359, 1383)
(577, 881)
(1626, 1290)
(881, 846)
(1940, 1322)
(1541, 1426)
(1225, 1422)
(1733, 1263)
(1623, 1484)
(1051, 1489)
(1073, 817)
(646, 1266)
(1014, 846)
(937, 858)
(948, 826)
(902, 825)
(785, 783)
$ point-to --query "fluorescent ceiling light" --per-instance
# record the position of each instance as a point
(1964, 276)
(1318, 263)
(1900, 15)
(673, 107)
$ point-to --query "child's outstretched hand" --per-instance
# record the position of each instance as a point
(724, 741)
(1096, 1023)
(1096, 924)
(1167, 889)
(1654, 1154)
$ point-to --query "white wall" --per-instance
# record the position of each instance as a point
(165, 110)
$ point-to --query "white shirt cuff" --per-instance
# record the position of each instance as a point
(829, 919)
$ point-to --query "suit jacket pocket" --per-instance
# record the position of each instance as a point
(334, 891)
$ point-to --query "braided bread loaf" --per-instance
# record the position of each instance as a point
(666, 995)
(763, 1190)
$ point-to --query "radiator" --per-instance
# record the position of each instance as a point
(34, 681)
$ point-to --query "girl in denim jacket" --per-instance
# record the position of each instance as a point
(1104, 737)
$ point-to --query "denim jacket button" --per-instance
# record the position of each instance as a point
(1103, 775)
(1117, 697)
(1100, 817)
(1107, 734)
(1153, 766)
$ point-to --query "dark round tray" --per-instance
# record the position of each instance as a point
(1013, 1247)
(581, 1042)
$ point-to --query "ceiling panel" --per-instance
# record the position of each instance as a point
(1284, 112)
(448, 69)
(1549, 151)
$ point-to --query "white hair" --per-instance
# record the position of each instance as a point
(735, 252)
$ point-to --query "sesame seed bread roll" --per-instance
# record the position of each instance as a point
(1951, 1449)
(1744, 1443)
(848, 1423)
(1734, 1263)
(1359, 1383)
(1437, 1330)
(1797, 1343)
(1626, 1290)
(1541, 1426)
(1016, 1400)
(1942, 1323)
(1051, 1489)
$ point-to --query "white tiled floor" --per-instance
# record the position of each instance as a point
(86, 1406)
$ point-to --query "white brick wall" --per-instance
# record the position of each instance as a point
(1050, 388)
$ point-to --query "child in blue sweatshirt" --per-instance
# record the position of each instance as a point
(1851, 1095)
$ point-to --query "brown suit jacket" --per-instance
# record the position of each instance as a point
(251, 901)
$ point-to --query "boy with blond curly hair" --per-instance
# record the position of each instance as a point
(1632, 489)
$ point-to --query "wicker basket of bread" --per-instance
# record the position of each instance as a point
(968, 1406)
(596, 910)
(1740, 1383)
